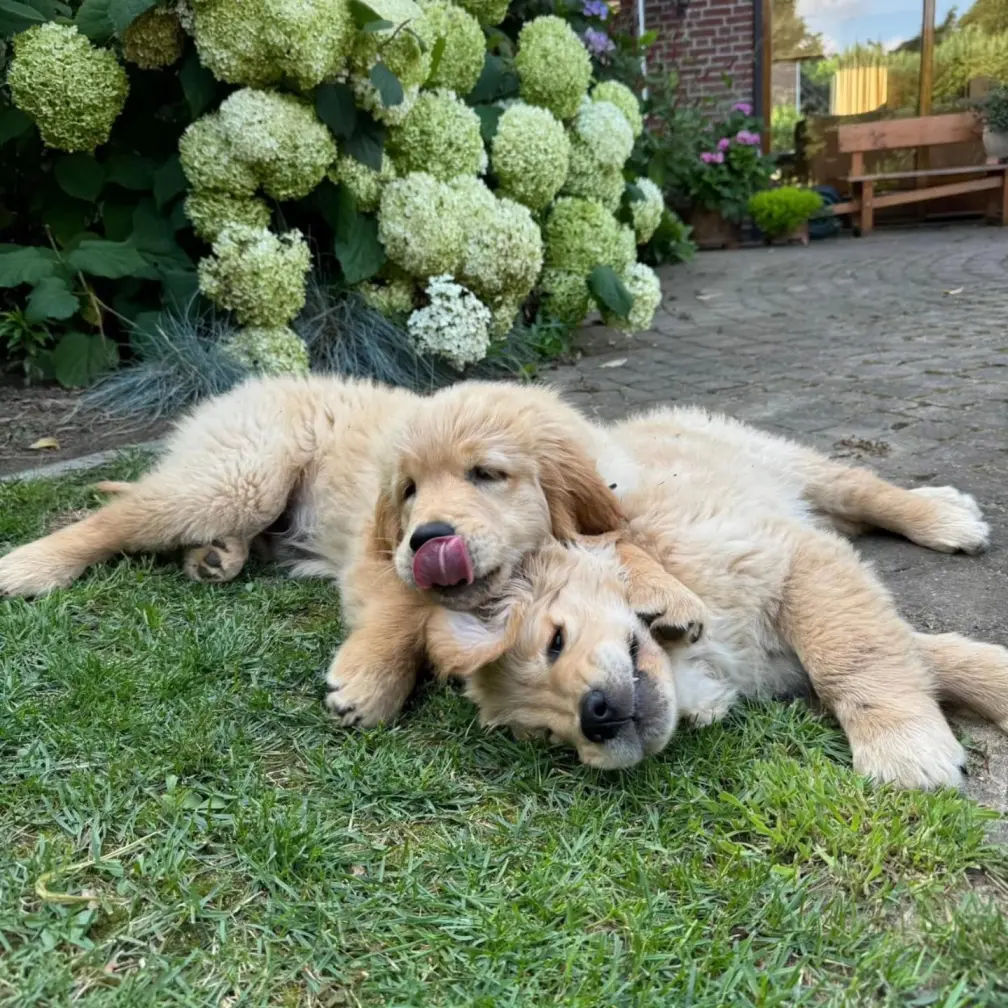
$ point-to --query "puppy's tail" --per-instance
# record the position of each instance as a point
(113, 486)
(967, 672)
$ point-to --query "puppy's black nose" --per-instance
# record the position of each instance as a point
(432, 530)
(601, 719)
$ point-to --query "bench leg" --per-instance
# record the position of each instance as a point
(867, 207)
(1004, 200)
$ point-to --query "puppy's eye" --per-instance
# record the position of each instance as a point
(480, 474)
(556, 645)
(408, 490)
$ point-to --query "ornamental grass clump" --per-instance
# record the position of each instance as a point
(780, 212)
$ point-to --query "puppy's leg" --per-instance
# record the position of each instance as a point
(221, 561)
(375, 669)
(967, 672)
(864, 664)
(236, 495)
(940, 518)
(671, 611)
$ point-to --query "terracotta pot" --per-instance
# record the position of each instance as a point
(712, 231)
(799, 235)
(995, 144)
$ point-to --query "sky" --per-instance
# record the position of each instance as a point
(844, 22)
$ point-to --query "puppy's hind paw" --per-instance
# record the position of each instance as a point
(217, 563)
(920, 754)
(955, 524)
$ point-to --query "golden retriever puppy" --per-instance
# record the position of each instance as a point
(564, 654)
(754, 506)
(305, 459)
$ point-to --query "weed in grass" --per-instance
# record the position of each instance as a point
(179, 825)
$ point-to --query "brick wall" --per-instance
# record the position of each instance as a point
(709, 39)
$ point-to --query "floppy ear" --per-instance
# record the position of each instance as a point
(459, 643)
(386, 529)
(579, 501)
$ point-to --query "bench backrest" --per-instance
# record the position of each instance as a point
(895, 134)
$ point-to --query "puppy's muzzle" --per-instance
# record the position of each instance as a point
(602, 717)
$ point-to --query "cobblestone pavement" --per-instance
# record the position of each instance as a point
(891, 351)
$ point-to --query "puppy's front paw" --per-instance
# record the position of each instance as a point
(672, 613)
(920, 753)
(358, 690)
(35, 569)
(221, 561)
(954, 524)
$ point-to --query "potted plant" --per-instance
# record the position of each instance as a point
(784, 212)
(714, 185)
(994, 111)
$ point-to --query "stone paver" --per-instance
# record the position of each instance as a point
(891, 351)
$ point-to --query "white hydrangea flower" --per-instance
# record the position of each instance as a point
(647, 212)
(606, 132)
(455, 325)
(644, 286)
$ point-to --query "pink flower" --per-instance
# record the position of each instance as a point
(744, 107)
(718, 158)
(747, 137)
(707, 157)
(724, 144)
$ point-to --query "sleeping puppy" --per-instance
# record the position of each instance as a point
(604, 649)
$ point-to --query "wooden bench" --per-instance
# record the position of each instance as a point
(899, 134)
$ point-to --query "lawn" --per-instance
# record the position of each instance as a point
(180, 825)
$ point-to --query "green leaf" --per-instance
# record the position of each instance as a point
(329, 199)
(52, 9)
(497, 81)
(25, 264)
(368, 141)
(198, 84)
(13, 124)
(79, 175)
(107, 259)
(16, 17)
(334, 104)
(632, 193)
(65, 216)
(94, 21)
(387, 83)
(117, 217)
(376, 26)
(489, 117)
(122, 13)
(436, 55)
(179, 287)
(169, 181)
(360, 253)
(609, 290)
(80, 357)
(363, 15)
(130, 170)
(51, 299)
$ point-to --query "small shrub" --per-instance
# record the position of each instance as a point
(780, 212)
(994, 109)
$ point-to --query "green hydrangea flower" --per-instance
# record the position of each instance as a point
(465, 47)
(488, 12)
(72, 90)
(394, 297)
(154, 40)
(440, 136)
(211, 212)
(502, 257)
(473, 200)
(581, 234)
(624, 99)
(365, 183)
(260, 42)
(210, 163)
(280, 138)
(419, 225)
(256, 274)
(270, 351)
(643, 283)
(553, 67)
(588, 179)
(566, 296)
(530, 155)
(647, 212)
(604, 130)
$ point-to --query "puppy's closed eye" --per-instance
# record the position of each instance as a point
(481, 474)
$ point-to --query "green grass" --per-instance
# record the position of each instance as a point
(180, 826)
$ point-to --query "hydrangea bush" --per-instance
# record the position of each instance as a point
(458, 187)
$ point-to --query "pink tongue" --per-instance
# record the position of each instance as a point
(443, 562)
